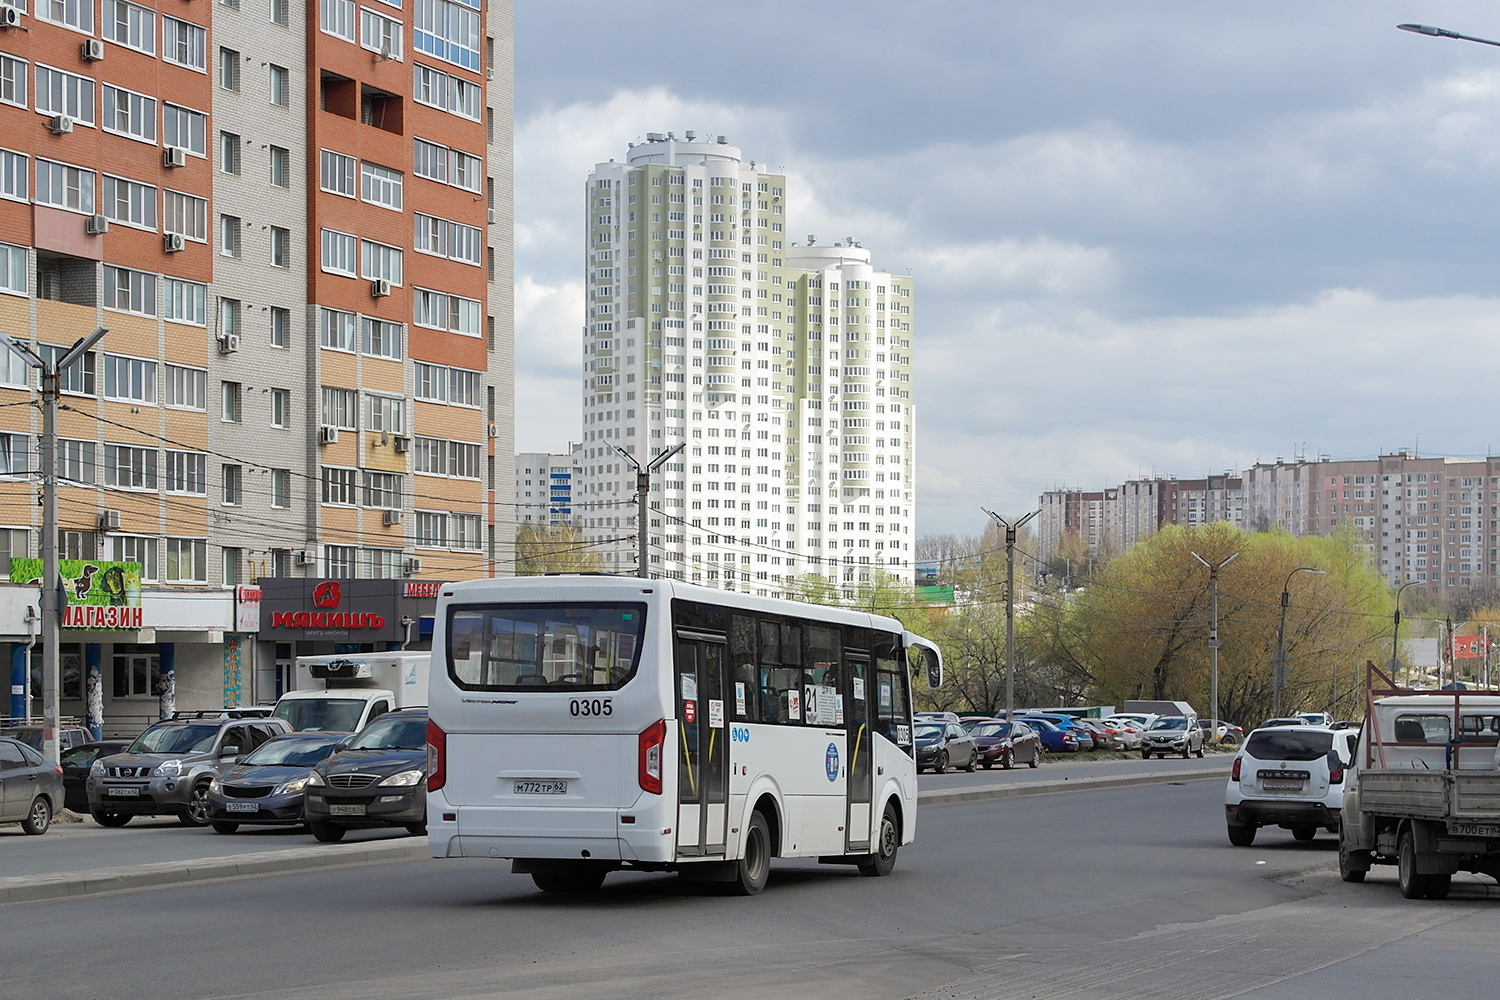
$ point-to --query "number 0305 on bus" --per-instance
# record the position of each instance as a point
(582, 725)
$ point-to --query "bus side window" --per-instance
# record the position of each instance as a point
(746, 692)
(780, 680)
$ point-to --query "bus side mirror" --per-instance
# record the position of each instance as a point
(934, 666)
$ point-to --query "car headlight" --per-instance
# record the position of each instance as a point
(215, 787)
(295, 785)
(97, 769)
(169, 769)
(315, 780)
(407, 778)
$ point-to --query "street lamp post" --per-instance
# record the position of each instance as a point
(1213, 636)
(51, 609)
(1278, 677)
(1396, 629)
(642, 496)
(1010, 606)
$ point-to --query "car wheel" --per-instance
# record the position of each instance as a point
(973, 762)
(1145, 754)
(1036, 758)
(1199, 753)
(752, 871)
(327, 833)
(1304, 832)
(38, 818)
(941, 767)
(1008, 761)
(222, 827)
(196, 813)
(1347, 861)
(883, 861)
(417, 829)
(108, 818)
(1241, 834)
(1413, 884)
(1186, 753)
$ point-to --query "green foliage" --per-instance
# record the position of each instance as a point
(558, 548)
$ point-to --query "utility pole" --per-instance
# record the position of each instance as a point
(1010, 606)
(1213, 636)
(1278, 675)
(642, 505)
(1396, 630)
(51, 606)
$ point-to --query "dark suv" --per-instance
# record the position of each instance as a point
(167, 770)
(378, 778)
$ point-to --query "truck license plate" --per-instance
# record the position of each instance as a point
(125, 792)
(342, 809)
(242, 807)
(1473, 830)
(541, 788)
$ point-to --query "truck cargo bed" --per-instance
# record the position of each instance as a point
(1468, 796)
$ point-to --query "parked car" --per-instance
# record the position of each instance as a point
(1105, 737)
(1221, 731)
(75, 767)
(67, 736)
(1173, 734)
(1141, 720)
(31, 790)
(935, 717)
(268, 785)
(1287, 720)
(1083, 737)
(1006, 743)
(167, 769)
(378, 778)
(970, 721)
(1315, 718)
(1132, 732)
(1053, 739)
(1288, 776)
(941, 745)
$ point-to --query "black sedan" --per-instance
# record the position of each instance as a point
(1007, 744)
(268, 785)
(379, 778)
(31, 790)
(944, 744)
(75, 767)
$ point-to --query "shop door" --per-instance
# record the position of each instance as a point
(861, 749)
(703, 746)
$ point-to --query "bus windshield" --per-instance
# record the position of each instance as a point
(544, 647)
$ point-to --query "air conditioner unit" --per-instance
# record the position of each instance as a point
(403, 443)
(392, 517)
(96, 225)
(328, 435)
(412, 565)
(109, 520)
(493, 430)
(174, 156)
(229, 343)
(93, 50)
(305, 558)
(10, 17)
(174, 243)
(60, 124)
(492, 216)
(380, 288)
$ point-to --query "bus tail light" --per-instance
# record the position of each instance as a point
(652, 742)
(437, 757)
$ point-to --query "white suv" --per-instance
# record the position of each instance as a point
(1287, 776)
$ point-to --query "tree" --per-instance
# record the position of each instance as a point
(557, 548)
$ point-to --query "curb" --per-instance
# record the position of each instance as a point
(986, 793)
(63, 885)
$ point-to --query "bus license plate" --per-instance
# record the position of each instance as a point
(541, 788)
(242, 807)
(340, 809)
(125, 791)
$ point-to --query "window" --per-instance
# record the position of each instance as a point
(184, 43)
(77, 462)
(281, 247)
(231, 399)
(78, 377)
(229, 318)
(60, 93)
(229, 565)
(130, 203)
(448, 31)
(137, 671)
(338, 253)
(186, 128)
(446, 458)
(231, 482)
(380, 185)
(12, 80)
(431, 161)
(380, 34)
(281, 323)
(185, 388)
(463, 387)
(13, 176)
(468, 171)
(437, 89)
(229, 69)
(186, 561)
(432, 530)
(64, 186)
(339, 409)
(340, 560)
(129, 291)
(281, 487)
(129, 114)
(130, 25)
(15, 455)
(540, 647)
(129, 468)
(13, 371)
(442, 311)
(136, 549)
(185, 215)
(382, 564)
(280, 86)
(468, 531)
(229, 153)
(381, 261)
(381, 338)
(281, 407)
(383, 490)
(12, 278)
(281, 167)
(339, 485)
(431, 382)
(387, 413)
(280, 12)
(129, 379)
(336, 329)
(448, 239)
(185, 301)
(229, 235)
(337, 173)
(77, 14)
(337, 18)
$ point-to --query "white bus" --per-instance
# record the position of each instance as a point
(581, 725)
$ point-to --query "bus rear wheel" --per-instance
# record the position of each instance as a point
(883, 861)
(753, 869)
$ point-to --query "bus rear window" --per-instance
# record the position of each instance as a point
(544, 647)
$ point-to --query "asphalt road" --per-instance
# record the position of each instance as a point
(1131, 892)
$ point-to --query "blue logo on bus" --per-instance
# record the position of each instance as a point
(831, 762)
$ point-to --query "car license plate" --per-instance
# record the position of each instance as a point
(125, 791)
(1281, 786)
(541, 788)
(341, 809)
(242, 807)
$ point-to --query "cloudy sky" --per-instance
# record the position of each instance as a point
(1161, 238)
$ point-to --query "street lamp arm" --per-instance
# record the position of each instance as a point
(81, 347)
(659, 459)
(625, 455)
(1429, 30)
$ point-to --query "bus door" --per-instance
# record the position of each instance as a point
(702, 745)
(861, 782)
